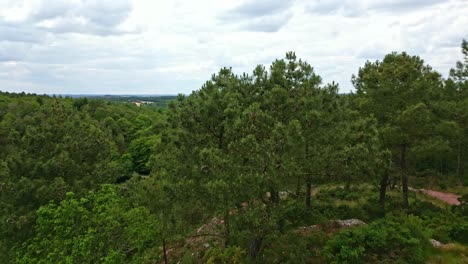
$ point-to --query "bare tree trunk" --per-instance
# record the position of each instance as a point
(298, 187)
(274, 196)
(348, 177)
(383, 189)
(308, 190)
(404, 176)
(394, 181)
(459, 152)
(255, 247)
(164, 250)
(308, 181)
(227, 228)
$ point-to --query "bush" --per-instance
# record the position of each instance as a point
(296, 213)
(425, 209)
(232, 255)
(459, 232)
(444, 225)
(292, 248)
(373, 210)
(102, 227)
(341, 193)
(393, 239)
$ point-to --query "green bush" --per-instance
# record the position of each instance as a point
(459, 232)
(292, 248)
(443, 185)
(421, 208)
(353, 193)
(373, 210)
(297, 214)
(393, 239)
(232, 255)
(102, 227)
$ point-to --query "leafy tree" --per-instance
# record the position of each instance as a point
(456, 100)
(397, 91)
(102, 227)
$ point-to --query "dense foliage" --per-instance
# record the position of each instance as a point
(248, 168)
(392, 239)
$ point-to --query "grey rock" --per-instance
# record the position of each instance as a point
(350, 222)
(435, 243)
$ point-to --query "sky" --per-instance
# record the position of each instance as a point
(171, 47)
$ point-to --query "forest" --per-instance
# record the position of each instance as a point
(268, 167)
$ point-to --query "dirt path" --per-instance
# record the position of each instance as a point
(449, 198)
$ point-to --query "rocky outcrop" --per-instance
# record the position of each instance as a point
(435, 243)
(349, 222)
(330, 227)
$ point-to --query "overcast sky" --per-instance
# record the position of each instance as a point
(170, 47)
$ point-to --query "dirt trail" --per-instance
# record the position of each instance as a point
(449, 198)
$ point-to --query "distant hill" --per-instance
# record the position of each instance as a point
(160, 100)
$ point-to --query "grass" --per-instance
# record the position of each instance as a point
(449, 254)
(426, 198)
(460, 190)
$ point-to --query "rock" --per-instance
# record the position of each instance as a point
(283, 195)
(435, 243)
(349, 222)
(330, 227)
(307, 230)
(214, 226)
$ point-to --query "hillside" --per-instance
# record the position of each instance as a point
(268, 167)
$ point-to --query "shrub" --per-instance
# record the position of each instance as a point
(102, 227)
(459, 232)
(353, 193)
(292, 248)
(393, 239)
(443, 185)
(232, 255)
(297, 214)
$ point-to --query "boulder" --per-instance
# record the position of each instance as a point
(435, 243)
(349, 222)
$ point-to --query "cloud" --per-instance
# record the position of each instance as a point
(355, 8)
(260, 15)
(86, 17)
(92, 17)
(82, 46)
(267, 23)
(259, 8)
(13, 51)
(20, 33)
(51, 9)
(373, 51)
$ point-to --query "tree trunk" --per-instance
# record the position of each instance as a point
(164, 250)
(459, 152)
(348, 182)
(274, 196)
(255, 247)
(227, 230)
(348, 176)
(393, 182)
(383, 189)
(404, 176)
(298, 187)
(308, 190)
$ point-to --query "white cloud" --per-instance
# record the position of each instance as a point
(123, 46)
